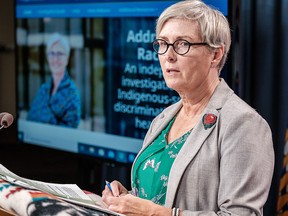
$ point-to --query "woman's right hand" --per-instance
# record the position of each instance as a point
(129, 204)
(117, 190)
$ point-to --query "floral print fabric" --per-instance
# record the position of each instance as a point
(151, 173)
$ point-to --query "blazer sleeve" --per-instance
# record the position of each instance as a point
(246, 165)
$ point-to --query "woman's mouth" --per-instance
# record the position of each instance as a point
(172, 70)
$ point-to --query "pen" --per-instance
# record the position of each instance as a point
(110, 188)
(108, 185)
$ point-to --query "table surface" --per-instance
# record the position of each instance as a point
(4, 212)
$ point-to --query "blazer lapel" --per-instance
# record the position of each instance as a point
(194, 142)
(186, 155)
(162, 122)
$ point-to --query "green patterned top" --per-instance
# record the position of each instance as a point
(151, 170)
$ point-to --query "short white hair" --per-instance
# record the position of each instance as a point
(213, 26)
(58, 38)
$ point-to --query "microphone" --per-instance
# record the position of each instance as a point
(6, 119)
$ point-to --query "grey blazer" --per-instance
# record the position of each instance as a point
(222, 170)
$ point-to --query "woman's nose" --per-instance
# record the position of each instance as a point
(170, 54)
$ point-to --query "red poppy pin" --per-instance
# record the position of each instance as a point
(209, 120)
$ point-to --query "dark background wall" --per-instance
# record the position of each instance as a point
(259, 59)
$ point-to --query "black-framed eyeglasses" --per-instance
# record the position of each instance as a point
(180, 46)
(52, 54)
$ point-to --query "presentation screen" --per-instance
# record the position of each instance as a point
(97, 91)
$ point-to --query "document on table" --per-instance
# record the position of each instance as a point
(67, 192)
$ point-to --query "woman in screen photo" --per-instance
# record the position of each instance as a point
(57, 101)
(210, 153)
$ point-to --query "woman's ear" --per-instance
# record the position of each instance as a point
(217, 56)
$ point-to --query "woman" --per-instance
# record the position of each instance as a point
(57, 102)
(210, 153)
